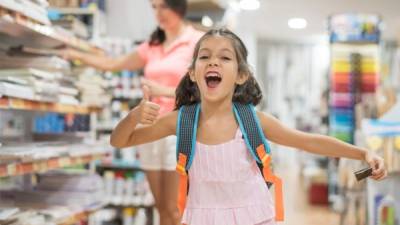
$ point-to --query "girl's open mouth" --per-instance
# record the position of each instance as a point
(213, 79)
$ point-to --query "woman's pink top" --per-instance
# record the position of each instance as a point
(226, 187)
(167, 66)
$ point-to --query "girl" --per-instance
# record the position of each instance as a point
(226, 186)
(164, 58)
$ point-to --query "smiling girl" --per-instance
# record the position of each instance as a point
(226, 185)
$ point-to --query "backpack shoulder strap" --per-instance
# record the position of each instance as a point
(186, 132)
(259, 148)
(251, 129)
(186, 129)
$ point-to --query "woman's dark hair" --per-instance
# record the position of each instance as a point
(187, 92)
(179, 7)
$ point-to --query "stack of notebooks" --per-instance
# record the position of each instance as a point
(34, 9)
(68, 92)
(57, 196)
(64, 193)
(40, 60)
(92, 87)
(39, 85)
(36, 151)
(42, 85)
(74, 25)
(342, 98)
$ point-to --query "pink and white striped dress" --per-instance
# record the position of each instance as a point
(226, 187)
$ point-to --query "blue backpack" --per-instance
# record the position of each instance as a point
(255, 140)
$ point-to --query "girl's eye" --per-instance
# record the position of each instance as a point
(226, 58)
(203, 57)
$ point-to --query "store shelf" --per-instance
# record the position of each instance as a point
(79, 216)
(23, 104)
(41, 36)
(74, 219)
(117, 166)
(130, 206)
(75, 11)
(105, 126)
(21, 168)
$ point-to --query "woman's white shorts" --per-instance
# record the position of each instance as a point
(158, 155)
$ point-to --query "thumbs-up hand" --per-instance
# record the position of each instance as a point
(147, 111)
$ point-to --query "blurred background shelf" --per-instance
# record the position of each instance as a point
(24, 32)
(40, 166)
(23, 104)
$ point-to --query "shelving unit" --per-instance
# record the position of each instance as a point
(41, 118)
(74, 219)
(120, 169)
(31, 156)
(355, 78)
(97, 17)
(75, 11)
(40, 36)
(383, 137)
(29, 105)
(41, 166)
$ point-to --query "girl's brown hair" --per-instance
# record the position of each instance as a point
(187, 92)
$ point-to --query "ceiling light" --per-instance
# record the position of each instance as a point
(206, 21)
(297, 23)
(249, 4)
(234, 5)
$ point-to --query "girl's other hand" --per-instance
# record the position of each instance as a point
(377, 164)
(146, 112)
(155, 89)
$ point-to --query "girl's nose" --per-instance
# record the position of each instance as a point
(213, 63)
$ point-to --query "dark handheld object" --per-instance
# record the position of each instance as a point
(364, 173)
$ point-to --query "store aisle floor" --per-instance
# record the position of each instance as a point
(297, 209)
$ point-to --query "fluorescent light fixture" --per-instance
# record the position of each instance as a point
(207, 21)
(297, 23)
(249, 4)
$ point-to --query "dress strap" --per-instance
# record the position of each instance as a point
(238, 134)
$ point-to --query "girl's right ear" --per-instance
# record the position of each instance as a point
(191, 75)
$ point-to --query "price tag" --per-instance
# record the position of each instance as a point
(52, 164)
(12, 169)
(87, 158)
(26, 168)
(65, 161)
(4, 103)
(17, 103)
(42, 107)
(41, 166)
(29, 105)
(3, 171)
(78, 161)
(397, 143)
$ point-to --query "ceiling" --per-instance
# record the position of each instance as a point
(270, 21)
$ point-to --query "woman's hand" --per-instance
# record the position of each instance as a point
(70, 54)
(146, 112)
(157, 90)
(377, 164)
